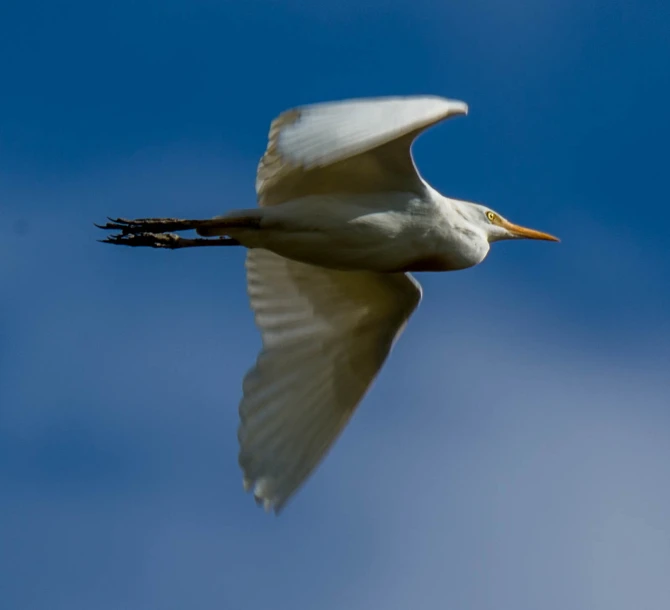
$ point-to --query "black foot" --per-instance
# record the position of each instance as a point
(151, 240)
(150, 225)
(165, 240)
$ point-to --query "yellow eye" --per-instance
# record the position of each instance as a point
(491, 216)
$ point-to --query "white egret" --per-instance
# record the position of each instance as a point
(343, 217)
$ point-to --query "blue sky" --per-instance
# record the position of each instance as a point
(514, 453)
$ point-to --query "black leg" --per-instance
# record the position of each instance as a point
(152, 225)
(165, 240)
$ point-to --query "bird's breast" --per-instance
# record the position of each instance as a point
(434, 262)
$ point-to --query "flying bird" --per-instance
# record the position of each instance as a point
(343, 217)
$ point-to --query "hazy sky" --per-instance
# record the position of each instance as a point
(515, 451)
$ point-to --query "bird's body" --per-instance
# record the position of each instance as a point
(387, 233)
(343, 217)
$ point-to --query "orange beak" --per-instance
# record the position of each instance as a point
(524, 233)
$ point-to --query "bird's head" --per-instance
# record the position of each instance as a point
(497, 228)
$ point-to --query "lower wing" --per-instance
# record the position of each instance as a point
(325, 336)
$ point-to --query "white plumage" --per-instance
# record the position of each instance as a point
(330, 132)
(356, 146)
(326, 334)
(344, 216)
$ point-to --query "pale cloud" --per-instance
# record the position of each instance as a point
(519, 478)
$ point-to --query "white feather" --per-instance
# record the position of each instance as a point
(325, 336)
(355, 146)
(327, 133)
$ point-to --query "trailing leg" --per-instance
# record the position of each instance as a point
(248, 219)
(170, 241)
(153, 225)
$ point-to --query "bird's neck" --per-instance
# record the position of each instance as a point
(465, 235)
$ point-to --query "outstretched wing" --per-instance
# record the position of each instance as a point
(325, 336)
(354, 146)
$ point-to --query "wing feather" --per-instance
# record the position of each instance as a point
(354, 146)
(325, 336)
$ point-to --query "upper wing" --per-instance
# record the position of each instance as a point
(325, 336)
(355, 146)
